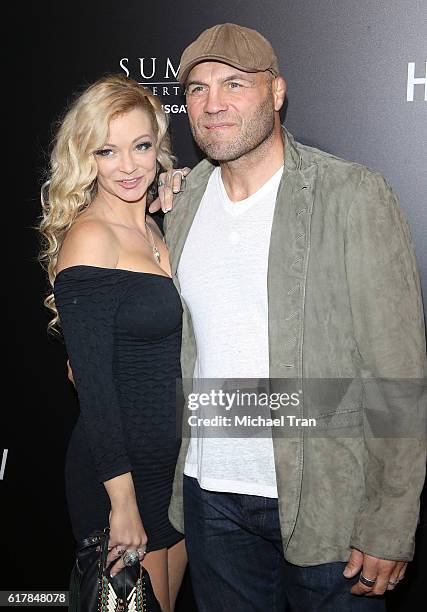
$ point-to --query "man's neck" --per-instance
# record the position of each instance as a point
(244, 176)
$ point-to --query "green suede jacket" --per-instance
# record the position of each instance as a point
(344, 301)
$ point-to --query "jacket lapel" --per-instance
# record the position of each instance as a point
(287, 263)
(185, 208)
(286, 283)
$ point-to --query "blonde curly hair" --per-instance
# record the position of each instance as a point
(72, 185)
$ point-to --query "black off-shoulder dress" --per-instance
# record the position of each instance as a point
(122, 331)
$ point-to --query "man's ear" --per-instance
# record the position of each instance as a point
(278, 85)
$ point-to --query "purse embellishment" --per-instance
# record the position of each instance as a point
(110, 602)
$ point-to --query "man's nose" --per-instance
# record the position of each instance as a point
(215, 101)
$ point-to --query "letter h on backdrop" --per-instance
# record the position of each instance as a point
(3, 463)
(413, 80)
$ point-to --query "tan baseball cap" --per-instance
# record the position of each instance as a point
(231, 44)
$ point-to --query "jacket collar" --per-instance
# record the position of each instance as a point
(293, 159)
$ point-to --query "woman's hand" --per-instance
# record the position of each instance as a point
(126, 529)
(126, 533)
(169, 183)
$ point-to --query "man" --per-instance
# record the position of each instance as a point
(291, 263)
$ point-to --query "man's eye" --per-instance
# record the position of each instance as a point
(195, 89)
(234, 85)
(104, 152)
(144, 146)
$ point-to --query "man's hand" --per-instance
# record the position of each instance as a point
(170, 182)
(385, 573)
(70, 373)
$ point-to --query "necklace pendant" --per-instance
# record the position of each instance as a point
(156, 254)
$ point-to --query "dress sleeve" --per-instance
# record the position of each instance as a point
(87, 299)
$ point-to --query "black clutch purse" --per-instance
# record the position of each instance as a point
(93, 590)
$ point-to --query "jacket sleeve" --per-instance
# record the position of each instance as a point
(388, 323)
(87, 299)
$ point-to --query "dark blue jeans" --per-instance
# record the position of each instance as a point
(237, 565)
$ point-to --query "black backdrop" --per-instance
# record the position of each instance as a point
(346, 65)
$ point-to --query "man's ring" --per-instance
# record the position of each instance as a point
(130, 557)
(393, 582)
(160, 183)
(141, 552)
(368, 582)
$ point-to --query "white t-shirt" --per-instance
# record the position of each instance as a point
(223, 278)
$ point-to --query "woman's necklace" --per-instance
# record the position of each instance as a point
(156, 252)
(152, 244)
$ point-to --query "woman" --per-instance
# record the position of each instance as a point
(121, 320)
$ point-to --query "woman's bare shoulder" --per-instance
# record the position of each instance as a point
(89, 241)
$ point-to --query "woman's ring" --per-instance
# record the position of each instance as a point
(130, 557)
